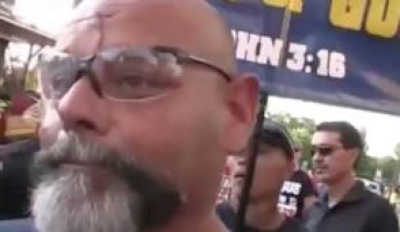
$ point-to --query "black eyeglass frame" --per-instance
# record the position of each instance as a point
(82, 67)
(325, 151)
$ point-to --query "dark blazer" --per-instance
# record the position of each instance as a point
(23, 225)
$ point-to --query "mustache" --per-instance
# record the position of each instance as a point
(159, 199)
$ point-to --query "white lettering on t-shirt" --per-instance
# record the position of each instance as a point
(288, 199)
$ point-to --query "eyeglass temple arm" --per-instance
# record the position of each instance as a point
(206, 63)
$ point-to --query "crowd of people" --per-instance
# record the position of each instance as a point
(284, 198)
(106, 160)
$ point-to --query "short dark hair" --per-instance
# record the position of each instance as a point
(276, 135)
(350, 137)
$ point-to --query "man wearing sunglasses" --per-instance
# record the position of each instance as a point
(150, 102)
(346, 205)
(274, 165)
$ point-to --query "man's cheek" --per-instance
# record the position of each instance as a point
(152, 147)
(50, 128)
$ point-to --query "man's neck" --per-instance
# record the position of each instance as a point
(264, 215)
(339, 189)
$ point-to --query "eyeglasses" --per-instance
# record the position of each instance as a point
(324, 151)
(120, 74)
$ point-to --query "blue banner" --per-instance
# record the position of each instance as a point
(331, 51)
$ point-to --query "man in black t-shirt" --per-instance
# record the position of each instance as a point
(273, 166)
(298, 193)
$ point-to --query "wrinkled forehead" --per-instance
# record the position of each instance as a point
(87, 26)
(97, 25)
(90, 8)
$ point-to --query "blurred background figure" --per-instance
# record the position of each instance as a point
(273, 166)
(16, 155)
(298, 193)
(15, 180)
(346, 205)
(225, 191)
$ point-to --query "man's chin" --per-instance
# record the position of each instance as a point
(100, 178)
(83, 186)
(72, 202)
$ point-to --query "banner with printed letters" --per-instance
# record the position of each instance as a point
(341, 52)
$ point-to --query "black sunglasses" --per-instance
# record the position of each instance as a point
(296, 149)
(324, 151)
(120, 74)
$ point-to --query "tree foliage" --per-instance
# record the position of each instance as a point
(388, 165)
(367, 166)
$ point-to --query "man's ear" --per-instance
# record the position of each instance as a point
(356, 156)
(242, 105)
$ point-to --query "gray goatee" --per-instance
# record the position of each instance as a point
(84, 187)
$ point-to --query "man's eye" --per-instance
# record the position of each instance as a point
(60, 82)
(130, 81)
(57, 86)
(133, 86)
(145, 80)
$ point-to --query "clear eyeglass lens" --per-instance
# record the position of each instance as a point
(133, 76)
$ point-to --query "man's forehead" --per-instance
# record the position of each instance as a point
(191, 25)
(325, 137)
(91, 14)
(107, 23)
(90, 9)
(93, 8)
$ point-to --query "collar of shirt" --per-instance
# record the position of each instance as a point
(356, 193)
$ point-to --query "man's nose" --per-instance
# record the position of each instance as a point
(82, 109)
(317, 158)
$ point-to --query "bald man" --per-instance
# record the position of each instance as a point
(127, 74)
